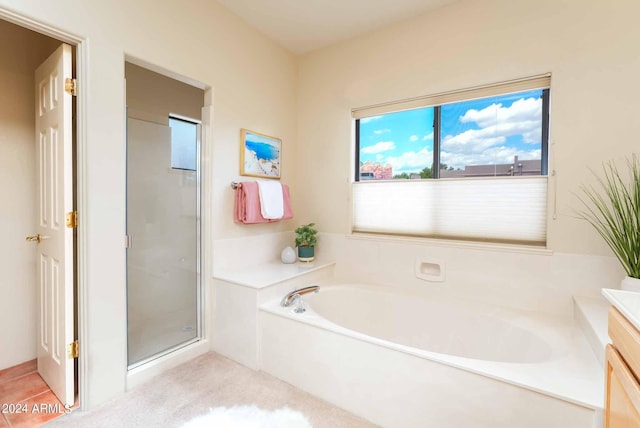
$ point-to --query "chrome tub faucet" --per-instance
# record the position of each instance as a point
(290, 298)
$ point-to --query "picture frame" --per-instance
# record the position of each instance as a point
(260, 155)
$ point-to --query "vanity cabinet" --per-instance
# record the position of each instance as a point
(622, 399)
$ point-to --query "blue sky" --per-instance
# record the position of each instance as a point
(478, 132)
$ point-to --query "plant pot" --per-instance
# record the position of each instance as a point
(306, 253)
(630, 284)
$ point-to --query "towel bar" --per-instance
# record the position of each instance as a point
(235, 185)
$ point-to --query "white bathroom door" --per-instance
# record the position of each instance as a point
(55, 268)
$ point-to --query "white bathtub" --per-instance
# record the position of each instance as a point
(404, 360)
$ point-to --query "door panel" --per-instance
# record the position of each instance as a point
(55, 244)
(163, 257)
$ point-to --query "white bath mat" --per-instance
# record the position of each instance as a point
(249, 417)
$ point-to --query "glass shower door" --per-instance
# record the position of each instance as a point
(163, 230)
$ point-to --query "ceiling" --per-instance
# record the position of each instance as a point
(305, 25)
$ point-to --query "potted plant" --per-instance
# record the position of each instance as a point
(306, 241)
(614, 211)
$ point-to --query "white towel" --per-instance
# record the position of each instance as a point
(271, 199)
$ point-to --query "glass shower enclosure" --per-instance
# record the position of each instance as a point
(163, 236)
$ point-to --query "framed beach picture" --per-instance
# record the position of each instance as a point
(260, 155)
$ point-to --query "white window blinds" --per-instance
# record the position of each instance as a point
(500, 209)
(512, 86)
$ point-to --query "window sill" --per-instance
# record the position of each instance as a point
(485, 246)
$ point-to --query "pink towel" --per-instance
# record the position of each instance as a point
(247, 204)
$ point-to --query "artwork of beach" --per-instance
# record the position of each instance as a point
(261, 155)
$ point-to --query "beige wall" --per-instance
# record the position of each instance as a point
(21, 52)
(152, 96)
(590, 47)
(253, 82)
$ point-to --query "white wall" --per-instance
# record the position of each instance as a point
(253, 82)
(498, 276)
(588, 46)
(21, 52)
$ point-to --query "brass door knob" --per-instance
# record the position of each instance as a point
(36, 238)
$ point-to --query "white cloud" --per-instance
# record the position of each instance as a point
(381, 131)
(382, 146)
(472, 141)
(429, 136)
(522, 117)
(379, 157)
(494, 155)
(413, 138)
(486, 145)
(411, 161)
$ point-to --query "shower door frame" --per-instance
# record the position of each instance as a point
(198, 210)
(145, 369)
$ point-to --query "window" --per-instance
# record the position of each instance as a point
(396, 145)
(184, 144)
(466, 165)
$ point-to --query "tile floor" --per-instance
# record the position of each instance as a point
(25, 399)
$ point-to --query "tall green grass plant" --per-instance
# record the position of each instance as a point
(612, 207)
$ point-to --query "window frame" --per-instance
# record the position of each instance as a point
(198, 124)
(541, 82)
(437, 132)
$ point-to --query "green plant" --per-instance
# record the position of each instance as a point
(306, 235)
(614, 211)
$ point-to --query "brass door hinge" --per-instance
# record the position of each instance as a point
(72, 219)
(70, 86)
(73, 349)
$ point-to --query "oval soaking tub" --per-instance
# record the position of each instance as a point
(430, 325)
(403, 360)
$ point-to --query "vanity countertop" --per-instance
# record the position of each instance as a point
(627, 302)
